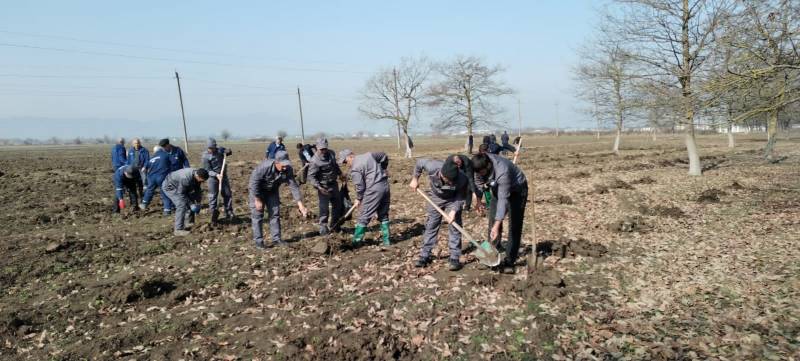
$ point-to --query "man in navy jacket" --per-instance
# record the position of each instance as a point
(138, 157)
(118, 158)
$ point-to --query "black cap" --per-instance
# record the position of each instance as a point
(131, 172)
(163, 142)
(450, 170)
(202, 173)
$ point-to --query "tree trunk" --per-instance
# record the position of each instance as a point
(408, 147)
(691, 148)
(616, 141)
(731, 140)
(398, 135)
(695, 168)
(772, 133)
(654, 133)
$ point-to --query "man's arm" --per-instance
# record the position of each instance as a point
(313, 169)
(207, 165)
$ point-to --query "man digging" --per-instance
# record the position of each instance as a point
(264, 184)
(183, 189)
(212, 162)
(368, 172)
(323, 174)
(449, 189)
(509, 189)
(126, 178)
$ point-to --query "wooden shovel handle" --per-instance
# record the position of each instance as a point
(516, 154)
(222, 172)
(444, 214)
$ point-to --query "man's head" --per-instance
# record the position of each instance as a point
(482, 164)
(322, 145)
(201, 175)
(131, 172)
(157, 149)
(483, 148)
(299, 146)
(449, 171)
(279, 139)
(121, 140)
(164, 143)
(211, 145)
(346, 156)
(457, 160)
(282, 160)
(137, 143)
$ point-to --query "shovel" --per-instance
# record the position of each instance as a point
(484, 251)
(341, 220)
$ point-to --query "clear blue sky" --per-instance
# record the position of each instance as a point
(242, 62)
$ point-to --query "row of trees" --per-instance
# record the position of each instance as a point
(683, 62)
(464, 92)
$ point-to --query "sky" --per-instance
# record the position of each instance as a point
(94, 68)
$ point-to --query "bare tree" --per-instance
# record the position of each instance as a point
(394, 94)
(672, 38)
(606, 78)
(467, 93)
(761, 64)
(225, 134)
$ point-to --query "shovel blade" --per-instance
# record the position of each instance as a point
(487, 254)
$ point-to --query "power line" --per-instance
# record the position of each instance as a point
(172, 60)
(82, 76)
(174, 50)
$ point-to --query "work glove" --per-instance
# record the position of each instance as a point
(195, 208)
(121, 204)
(228, 152)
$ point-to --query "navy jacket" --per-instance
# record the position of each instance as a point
(118, 158)
(158, 166)
(143, 156)
(121, 182)
(177, 159)
(274, 147)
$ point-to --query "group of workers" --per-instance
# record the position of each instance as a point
(455, 183)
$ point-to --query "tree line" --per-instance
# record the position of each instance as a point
(685, 63)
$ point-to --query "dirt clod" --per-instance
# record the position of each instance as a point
(628, 224)
(321, 247)
(710, 196)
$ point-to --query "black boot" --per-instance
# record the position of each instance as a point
(422, 262)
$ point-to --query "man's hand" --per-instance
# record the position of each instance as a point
(228, 152)
(414, 183)
(324, 191)
(451, 217)
(302, 209)
(219, 177)
(259, 204)
(495, 233)
(480, 208)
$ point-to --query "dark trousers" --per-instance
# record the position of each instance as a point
(134, 199)
(517, 201)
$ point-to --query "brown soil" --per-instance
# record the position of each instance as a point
(81, 283)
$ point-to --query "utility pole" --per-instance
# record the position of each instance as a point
(302, 129)
(183, 115)
(519, 115)
(556, 118)
(396, 107)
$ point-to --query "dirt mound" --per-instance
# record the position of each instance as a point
(664, 211)
(644, 180)
(710, 196)
(562, 199)
(628, 224)
(134, 291)
(612, 183)
(569, 247)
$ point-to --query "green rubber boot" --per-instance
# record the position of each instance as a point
(358, 235)
(385, 233)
